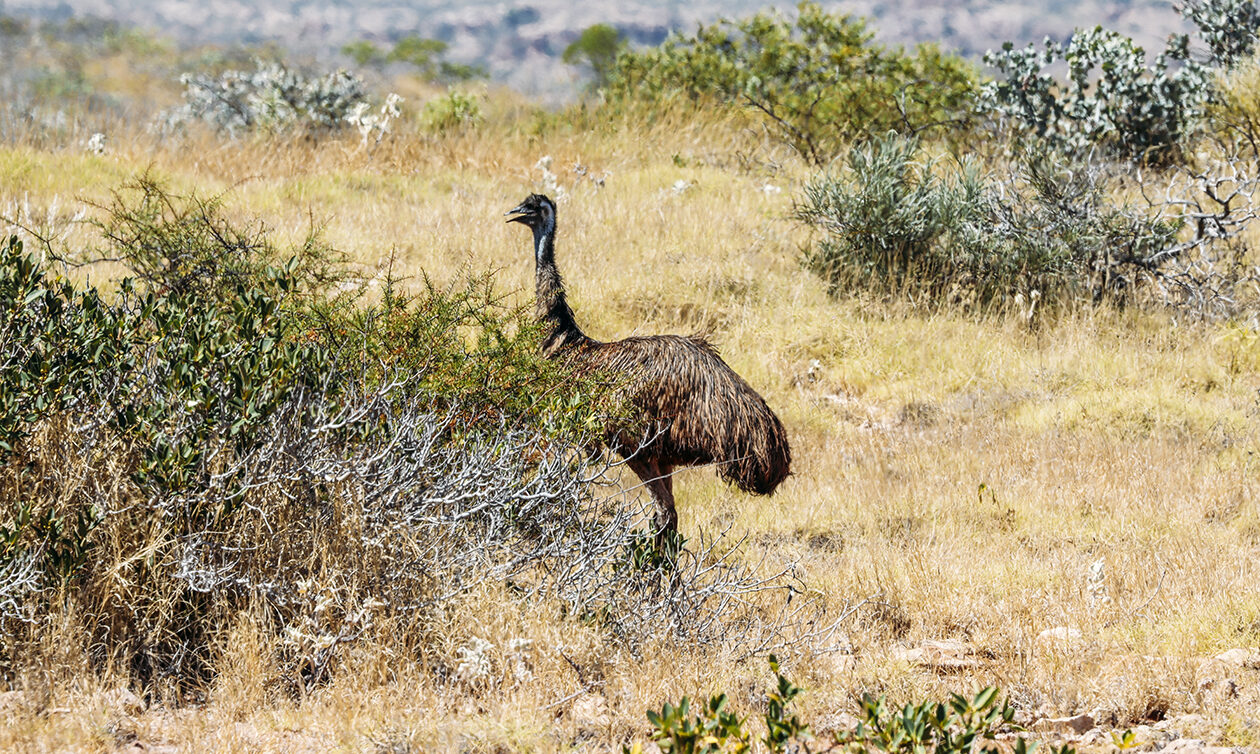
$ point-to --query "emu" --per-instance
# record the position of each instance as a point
(688, 408)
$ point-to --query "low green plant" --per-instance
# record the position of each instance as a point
(1124, 741)
(961, 724)
(713, 729)
(717, 729)
(647, 553)
(958, 725)
(783, 728)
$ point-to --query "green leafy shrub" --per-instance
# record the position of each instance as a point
(57, 343)
(820, 80)
(454, 110)
(897, 222)
(894, 221)
(187, 245)
(597, 47)
(425, 56)
(364, 53)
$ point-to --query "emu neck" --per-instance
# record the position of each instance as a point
(550, 305)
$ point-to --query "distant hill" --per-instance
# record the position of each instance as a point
(520, 42)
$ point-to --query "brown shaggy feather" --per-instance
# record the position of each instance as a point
(695, 410)
(690, 408)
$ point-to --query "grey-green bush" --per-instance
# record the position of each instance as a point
(271, 98)
(944, 231)
(1111, 98)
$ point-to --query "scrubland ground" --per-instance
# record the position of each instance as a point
(1065, 506)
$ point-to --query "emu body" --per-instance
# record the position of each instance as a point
(688, 407)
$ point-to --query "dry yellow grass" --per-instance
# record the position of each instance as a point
(961, 471)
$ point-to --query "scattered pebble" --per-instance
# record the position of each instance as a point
(1077, 724)
(123, 700)
(1240, 657)
(1059, 637)
(942, 655)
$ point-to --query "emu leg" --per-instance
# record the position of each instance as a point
(667, 515)
(659, 482)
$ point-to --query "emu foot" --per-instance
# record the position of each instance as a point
(656, 552)
(669, 543)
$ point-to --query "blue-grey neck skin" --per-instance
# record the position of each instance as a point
(551, 308)
(545, 241)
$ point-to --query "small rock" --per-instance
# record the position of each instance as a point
(1182, 723)
(11, 701)
(1182, 743)
(836, 722)
(1103, 716)
(837, 663)
(1060, 637)
(1240, 657)
(123, 700)
(1194, 746)
(590, 712)
(940, 654)
(1227, 688)
(1077, 724)
(1146, 735)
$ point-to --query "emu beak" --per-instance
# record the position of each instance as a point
(520, 212)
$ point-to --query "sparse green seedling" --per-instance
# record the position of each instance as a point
(960, 725)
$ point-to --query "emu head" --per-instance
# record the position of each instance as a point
(537, 212)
